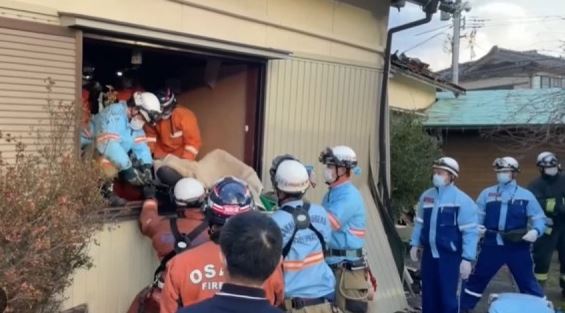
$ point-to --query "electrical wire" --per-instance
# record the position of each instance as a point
(424, 42)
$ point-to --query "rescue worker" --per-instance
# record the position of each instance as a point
(309, 281)
(446, 235)
(346, 213)
(549, 189)
(505, 212)
(251, 247)
(171, 235)
(117, 132)
(176, 134)
(198, 274)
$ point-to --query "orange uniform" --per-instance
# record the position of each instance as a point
(198, 274)
(158, 228)
(178, 135)
(85, 107)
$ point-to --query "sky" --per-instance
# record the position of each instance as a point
(512, 24)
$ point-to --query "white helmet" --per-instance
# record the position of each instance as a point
(506, 163)
(188, 191)
(547, 159)
(448, 164)
(291, 177)
(148, 105)
(342, 156)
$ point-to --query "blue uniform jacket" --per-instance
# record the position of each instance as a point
(306, 274)
(446, 222)
(346, 213)
(114, 138)
(506, 207)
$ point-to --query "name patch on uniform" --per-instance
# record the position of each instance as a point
(493, 196)
(428, 200)
(209, 277)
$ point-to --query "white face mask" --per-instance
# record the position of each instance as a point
(503, 177)
(329, 175)
(136, 123)
(439, 181)
(551, 171)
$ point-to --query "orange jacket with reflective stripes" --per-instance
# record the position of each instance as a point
(158, 228)
(178, 135)
(198, 274)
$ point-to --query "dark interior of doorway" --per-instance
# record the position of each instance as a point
(224, 93)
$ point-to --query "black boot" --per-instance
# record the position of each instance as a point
(168, 176)
(113, 199)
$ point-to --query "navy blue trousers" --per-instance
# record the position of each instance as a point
(440, 278)
(517, 257)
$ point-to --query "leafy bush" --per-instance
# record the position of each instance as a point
(412, 153)
(49, 196)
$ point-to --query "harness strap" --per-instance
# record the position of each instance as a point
(288, 245)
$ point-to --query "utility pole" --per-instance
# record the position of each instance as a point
(456, 40)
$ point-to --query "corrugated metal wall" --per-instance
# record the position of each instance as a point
(124, 262)
(311, 105)
(27, 60)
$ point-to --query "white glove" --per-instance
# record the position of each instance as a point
(531, 236)
(465, 269)
(482, 230)
(414, 251)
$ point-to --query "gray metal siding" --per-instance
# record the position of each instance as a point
(313, 104)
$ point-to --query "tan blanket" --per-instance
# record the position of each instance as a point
(212, 167)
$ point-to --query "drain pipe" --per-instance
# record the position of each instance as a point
(430, 8)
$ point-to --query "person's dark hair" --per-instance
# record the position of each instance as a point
(252, 245)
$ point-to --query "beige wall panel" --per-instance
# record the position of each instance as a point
(27, 59)
(221, 26)
(221, 111)
(6, 79)
(56, 90)
(364, 56)
(281, 39)
(124, 262)
(367, 15)
(42, 95)
(8, 36)
(37, 69)
(69, 42)
(409, 94)
(497, 81)
(311, 105)
(314, 15)
(357, 23)
(53, 53)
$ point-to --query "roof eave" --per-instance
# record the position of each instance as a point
(445, 86)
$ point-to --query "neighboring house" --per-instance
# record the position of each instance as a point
(413, 86)
(264, 77)
(508, 69)
(472, 129)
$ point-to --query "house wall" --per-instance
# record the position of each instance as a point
(347, 30)
(312, 105)
(475, 155)
(486, 83)
(220, 111)
(326, 94)
(409, 94)
(121, 269)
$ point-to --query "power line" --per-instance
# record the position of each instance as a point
(435, 29)
(424, 41)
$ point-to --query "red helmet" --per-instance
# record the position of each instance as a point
(228, 197)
